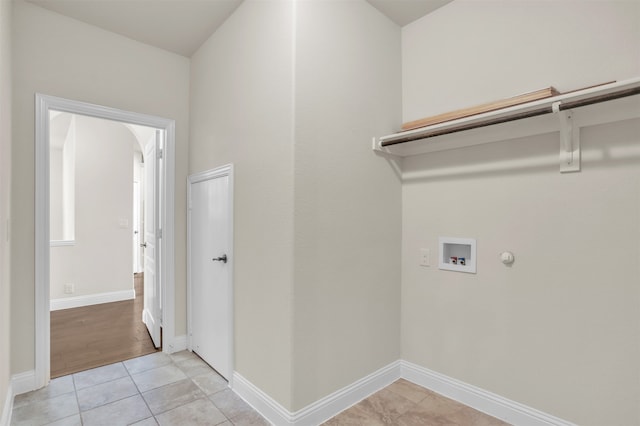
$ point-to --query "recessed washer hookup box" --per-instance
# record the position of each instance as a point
(457, 254)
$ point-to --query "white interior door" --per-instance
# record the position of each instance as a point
(151, 314)
(137, 261)
(210, 280)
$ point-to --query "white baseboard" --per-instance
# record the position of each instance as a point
(24, 382)
(494, 405)
(269, 408)
(321, 410)
(177, 344)
(91, 299)
(316, 413)
(331, 405)
(5, 419)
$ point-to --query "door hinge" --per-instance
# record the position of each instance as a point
(159, 234)
(160, 153)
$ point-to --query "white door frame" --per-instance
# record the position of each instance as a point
(44, 104)
(137, 204)
(226, 170)
(151, 312)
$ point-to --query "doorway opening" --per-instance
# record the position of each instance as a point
(159, 232)
(96, 281)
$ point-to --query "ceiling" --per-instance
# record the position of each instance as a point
(181, 26)
(403, 12)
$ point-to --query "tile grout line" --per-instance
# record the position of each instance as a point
(208, 397)
(140, 393)
(99, 384)
(171, 362)
(115, 400)
(75, 392)
(95, 396)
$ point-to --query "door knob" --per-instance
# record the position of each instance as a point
(143, 245)
(222, 259)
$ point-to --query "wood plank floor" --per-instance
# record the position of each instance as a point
(97, 335)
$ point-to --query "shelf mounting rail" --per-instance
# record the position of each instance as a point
(563, 105)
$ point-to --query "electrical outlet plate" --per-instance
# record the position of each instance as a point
(425, 257)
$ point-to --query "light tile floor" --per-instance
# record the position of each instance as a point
(405, 404)
(181, 389)
(156, 389)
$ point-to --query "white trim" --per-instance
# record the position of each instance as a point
(331, 405)
(268, 407)
(167, 242)
(91, 299)
(42, 241)
(24, 382)
(5, 419)
(226, 170)
(179, 343)
(45, 103)
(494, 405)
(327, 407)
(591, 115)
(61, 243)
(321, 410)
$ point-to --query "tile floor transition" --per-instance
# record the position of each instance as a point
(181, 389)
(157, 389)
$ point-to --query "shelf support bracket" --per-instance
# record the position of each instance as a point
(569, 140)
(375, 145)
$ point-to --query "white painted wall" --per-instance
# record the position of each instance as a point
(470, 52)
(347, 200)
(559, 330)
(101, 260)
(5, 199)
(242, 113)
(62, 154)
(322, 310)
(62, 57)
(68, 184)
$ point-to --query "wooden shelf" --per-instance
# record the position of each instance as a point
(564, 113)
(479, 109)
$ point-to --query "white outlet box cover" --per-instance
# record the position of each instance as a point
(457, 254)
